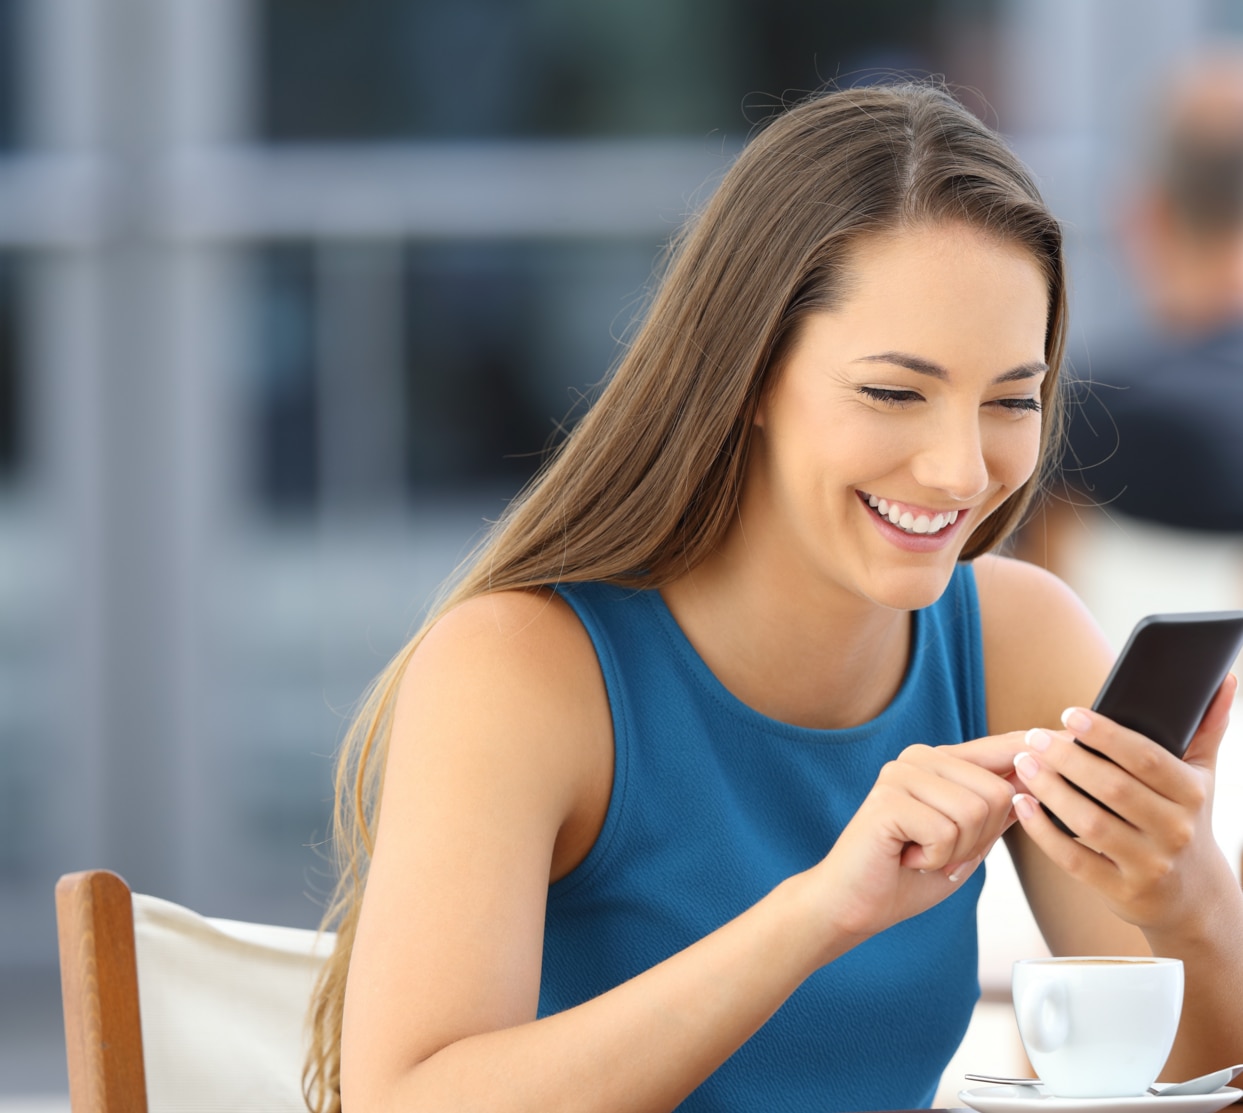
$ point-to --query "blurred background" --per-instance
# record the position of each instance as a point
(293, 294)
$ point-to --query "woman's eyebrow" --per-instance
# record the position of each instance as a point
(923, 366)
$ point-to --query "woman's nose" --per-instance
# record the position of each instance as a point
(951, 459)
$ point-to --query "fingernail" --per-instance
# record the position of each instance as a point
(1038, 739)
(1024, 805)
(962, 869)
(1076, 720)
(1026, 766)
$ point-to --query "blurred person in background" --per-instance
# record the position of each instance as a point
(680, 797)
(1155, 432)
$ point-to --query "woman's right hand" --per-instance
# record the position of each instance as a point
(929, 820)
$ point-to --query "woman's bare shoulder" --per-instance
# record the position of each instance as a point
(1011, 589)
(510, 624)
(1043, 651)
(505, 689)
(521, 656)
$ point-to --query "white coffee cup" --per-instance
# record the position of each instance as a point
(1097, 1026)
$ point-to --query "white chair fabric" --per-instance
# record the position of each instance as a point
(223, 1007)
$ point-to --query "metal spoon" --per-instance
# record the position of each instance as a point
(998, 1080)
(1204, 1084)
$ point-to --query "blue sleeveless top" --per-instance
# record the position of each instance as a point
(714, 804)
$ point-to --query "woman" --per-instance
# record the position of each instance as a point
(687, 784)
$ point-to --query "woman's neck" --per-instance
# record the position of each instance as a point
(814, 658)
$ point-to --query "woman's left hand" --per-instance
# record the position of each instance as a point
(1155, 857)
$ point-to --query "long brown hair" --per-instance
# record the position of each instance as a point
(646, 484)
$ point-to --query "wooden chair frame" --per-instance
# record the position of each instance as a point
(99, 986)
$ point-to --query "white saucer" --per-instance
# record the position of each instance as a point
(1030, 1099)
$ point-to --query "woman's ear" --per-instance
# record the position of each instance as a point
(771, 379)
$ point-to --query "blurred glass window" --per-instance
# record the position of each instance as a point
(285, 471)
(495, 345)
(394, 69)
(10, 73)
(12, 425)
(10, 393)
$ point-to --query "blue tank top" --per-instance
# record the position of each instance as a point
(714, 804)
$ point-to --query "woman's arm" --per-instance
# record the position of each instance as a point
(498, 779)
(1150, 879)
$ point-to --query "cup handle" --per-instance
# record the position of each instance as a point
(1044, 1016)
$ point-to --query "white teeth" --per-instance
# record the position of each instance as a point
(912, 523)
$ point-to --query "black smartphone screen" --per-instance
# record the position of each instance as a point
(1167, 674)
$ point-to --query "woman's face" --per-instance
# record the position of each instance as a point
(902, 418)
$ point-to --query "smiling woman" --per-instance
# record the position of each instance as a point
(687, 783)
(934, 409)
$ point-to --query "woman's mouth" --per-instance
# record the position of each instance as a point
(912, 520)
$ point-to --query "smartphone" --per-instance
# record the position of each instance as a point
(1166, 676)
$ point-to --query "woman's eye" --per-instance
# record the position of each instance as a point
(890, 396)
(1020, 405)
